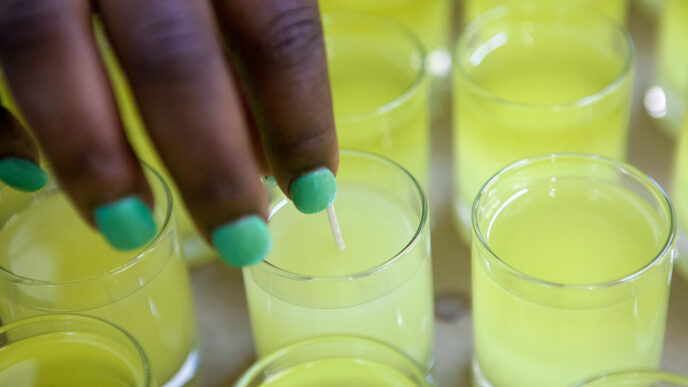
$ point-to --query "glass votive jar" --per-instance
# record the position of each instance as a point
(70, 350)
(379, 286)
(335, 360)
(379, 89)
(51, 261)
(637, 379)
(571, 264)
(533, 80)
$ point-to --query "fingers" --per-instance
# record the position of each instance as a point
(280, 51)
(53, 69)
(178, 73)
(18, 156)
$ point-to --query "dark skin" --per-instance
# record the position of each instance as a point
(198, 112)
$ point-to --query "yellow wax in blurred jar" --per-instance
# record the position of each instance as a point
(73, 359)
(671, 74)
(340, 372)
(526, 87)
(152, 301)
(379, 90)
(348, 291)
(680, 198)
(572, 232)
(336, 361)
(428, 19)
(613, 8)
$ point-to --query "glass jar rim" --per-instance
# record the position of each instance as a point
(649, 374)
(91, 320)
(502, 11)
(413, 240)
(137, 255)
(632, 171)
(258, 367)
(405, 33)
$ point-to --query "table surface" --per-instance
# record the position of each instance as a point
(221, 311)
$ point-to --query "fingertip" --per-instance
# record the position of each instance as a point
(126, 224)
(243, 242)
(22, 174)
(314, 192)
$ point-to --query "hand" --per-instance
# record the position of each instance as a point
(214, 143)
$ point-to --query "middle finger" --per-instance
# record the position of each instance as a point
(174, 62)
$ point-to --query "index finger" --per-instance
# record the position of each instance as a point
(280, 52)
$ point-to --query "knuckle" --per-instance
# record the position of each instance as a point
(296, 145)
(214, 198)
(29, 25)
(291, 37)
(210, 190)
(172, 46)
(96, 171)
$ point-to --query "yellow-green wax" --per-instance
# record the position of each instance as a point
(152, 300)
(573, 232)
(393, 305)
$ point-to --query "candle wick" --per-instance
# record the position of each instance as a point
(334, 225)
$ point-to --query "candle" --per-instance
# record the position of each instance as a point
(51, 261)
(613, 8)
(379, 286)
(571, 264)
(335, 361)
(379, 89)
(537, 80)
(70, 350)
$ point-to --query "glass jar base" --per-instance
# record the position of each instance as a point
(186, 376)
(479, 379)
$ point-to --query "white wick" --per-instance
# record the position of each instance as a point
(334, 225)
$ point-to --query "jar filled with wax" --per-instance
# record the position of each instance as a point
(571, 264)
(556, 77)
(378, 286)
(70, 350)
(51, 261)
(336, 361)
(379, 89)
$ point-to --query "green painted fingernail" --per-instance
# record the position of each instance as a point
(314, 192)
(22, 174)
(243, 242)
(126, 224)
